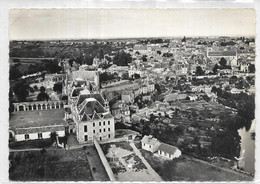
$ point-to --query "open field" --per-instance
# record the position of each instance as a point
(54, 165)
(189, 169)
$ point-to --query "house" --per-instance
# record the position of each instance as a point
(127, 96)
(150, 144)
(168, 151)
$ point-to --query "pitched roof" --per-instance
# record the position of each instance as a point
(85, 117)
(96, 96)
(167, 148)
(150, 140)
(91, 105)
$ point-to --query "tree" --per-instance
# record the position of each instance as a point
(144, 58)
(125, 76)
(158, 88)
(21, 90)
(43, 97)
(215, 69)
(184, 39)
(42, 89)
(214, 89)
(233, 80)
(223, 62)
(57, 87)
(53, 136)
(122, 59)
(199, 71)
(14, 73)
(136, 76)
(251, 68)
(159, 52)
(35, 88)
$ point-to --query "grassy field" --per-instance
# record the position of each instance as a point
(189, 169)
(50, 165)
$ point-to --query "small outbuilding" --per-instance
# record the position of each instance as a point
(168, 151)
(149, 143)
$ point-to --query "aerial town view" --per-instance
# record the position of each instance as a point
(132, 109)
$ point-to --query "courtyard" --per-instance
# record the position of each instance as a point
(126, 164)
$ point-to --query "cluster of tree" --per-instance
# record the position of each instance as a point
(43, 96)
(14, 73)
(251, 68)
(204, 81)
(222, 65)
(167, 55)
(199, 71)
(50, 66)
(141, 103)
(231, 43)
(106, 76)
(144, 58)
(226, 144)
(153, 41)
(21, 90)
(122, 59)
(27, 52)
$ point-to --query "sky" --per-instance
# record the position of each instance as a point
(42, 24)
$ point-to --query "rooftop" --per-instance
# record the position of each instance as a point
(150, 140)
(167, 148)
(38, 118)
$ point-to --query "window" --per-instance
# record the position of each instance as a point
(86, 138)
(150, 146)
(100, 138)
(104, 123)
(108, 122)
(40, 135)
(26, 136)
(104, 130)
(85, 128)
(93, 124)
(99, 123)
(109, 129)
(94, 131)
(144, 144)
(108, 135)
(99, 130)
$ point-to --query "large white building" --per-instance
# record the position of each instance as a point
(92, 118)
(89, 110)
(36, 124)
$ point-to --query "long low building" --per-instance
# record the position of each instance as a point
(38, 124)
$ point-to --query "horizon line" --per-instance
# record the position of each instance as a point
(117, 38)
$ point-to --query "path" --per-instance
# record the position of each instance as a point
(29, 149)
(99, 173)
(152, 173)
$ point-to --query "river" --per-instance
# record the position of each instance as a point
(247, 153)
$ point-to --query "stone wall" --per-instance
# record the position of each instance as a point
(104, 161)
